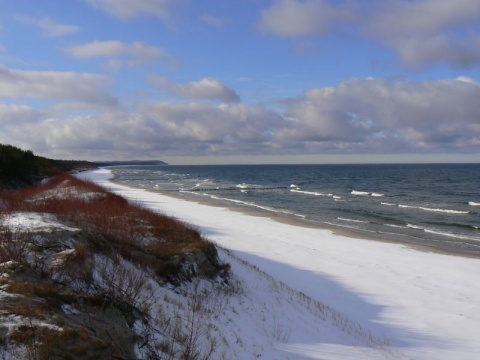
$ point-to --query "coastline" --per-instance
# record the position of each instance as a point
(414, 299)
(427, 246)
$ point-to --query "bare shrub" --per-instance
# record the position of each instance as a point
(121, 279)
(13, 244)
(277, 328)
(185, 328)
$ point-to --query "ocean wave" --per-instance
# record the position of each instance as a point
(397, 226)
(200, 184)
(435, 232)
(353, 220)
(245, 186)
(448, 211)
(441, 233)
(294, 186)
(310, 192)
(360, 193)
(248, 186)
(471, 203)
(247, 203)
(415, 227)
(456, 225)
(365, 193)
(388, 204)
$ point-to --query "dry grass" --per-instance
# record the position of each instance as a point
(116, 219)
(116, 232)
(75, 342)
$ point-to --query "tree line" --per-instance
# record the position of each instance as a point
(22, 167)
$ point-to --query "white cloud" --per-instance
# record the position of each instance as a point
(206, 88)
(380, 116)
(292, 18)
(422, 32)
(127, 9)
(97, 49)
(216, 21)
(158, 128)
(359, 116)
(49, 26)
(135, 53)
(84, 87)
(429, 31)
(401, 18)
(13, 114)
(422, 52)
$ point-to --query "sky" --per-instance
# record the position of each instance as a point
(250, 81)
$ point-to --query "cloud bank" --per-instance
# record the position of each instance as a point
(76, 114)
(359, 116)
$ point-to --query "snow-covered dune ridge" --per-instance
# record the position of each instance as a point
(425, 305)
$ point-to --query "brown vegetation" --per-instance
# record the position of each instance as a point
(89, 206)
(124, 245)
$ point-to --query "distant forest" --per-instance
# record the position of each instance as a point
(22, 168)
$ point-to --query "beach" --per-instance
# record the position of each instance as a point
(425, 304)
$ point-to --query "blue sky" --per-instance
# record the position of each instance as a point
(251, 81)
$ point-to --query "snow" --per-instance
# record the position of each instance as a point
(69, 309)
(380, 300)
(34, 222)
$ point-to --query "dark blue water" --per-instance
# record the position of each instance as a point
(431, 204)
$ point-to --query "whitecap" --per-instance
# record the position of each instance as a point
(352, 220)
(448, 211)
(309, 192)
(360, 193)
(457, 236)
(388, 204)
(365, 193)
(471, 203)
(248, 186)
(396, 226)
(250, 204)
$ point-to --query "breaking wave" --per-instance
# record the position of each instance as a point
(247, 203)
(353, 220)
(309, 192)
(365, 193)
(448, 211)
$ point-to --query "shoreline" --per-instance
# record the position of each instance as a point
(285, 219)
(414, 299)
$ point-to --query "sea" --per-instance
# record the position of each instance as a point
(436, 205)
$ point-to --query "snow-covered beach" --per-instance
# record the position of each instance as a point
(406, 303)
